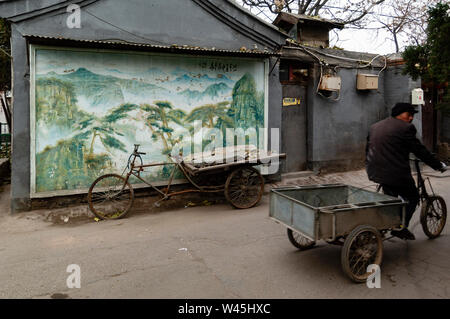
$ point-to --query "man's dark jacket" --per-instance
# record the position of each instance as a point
(389, 144)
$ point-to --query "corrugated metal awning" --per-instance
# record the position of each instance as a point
(124, 45)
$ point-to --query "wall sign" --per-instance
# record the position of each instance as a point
(289, 101)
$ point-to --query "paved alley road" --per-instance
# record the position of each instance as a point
(206, 252)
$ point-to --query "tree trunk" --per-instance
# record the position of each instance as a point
(397, 49)
(91, 150)
(166, 145)
(165, 123)
(160, 135)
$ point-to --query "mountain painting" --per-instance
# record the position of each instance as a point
(91, 107)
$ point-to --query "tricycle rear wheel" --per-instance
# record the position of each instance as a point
(362, 247)
(299, 241)
(244, 187)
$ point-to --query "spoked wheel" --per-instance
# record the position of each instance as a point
(433, 216)
(362, 247)
(244, 187)
(299, 241)
(110, 197)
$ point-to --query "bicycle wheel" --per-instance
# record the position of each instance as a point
(433, 216)
(110, 197)
(362, 247)
(244, 187)
(299, 241)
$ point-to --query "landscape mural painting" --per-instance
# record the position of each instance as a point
(92, 106)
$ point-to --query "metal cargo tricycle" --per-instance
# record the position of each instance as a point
(352, 217)
(111, 196)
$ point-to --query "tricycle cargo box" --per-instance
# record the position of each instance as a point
(333, 210)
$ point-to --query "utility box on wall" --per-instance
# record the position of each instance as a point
(367, 82)
(330, 83)
(417, 97)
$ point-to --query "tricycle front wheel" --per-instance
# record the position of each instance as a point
(433, 216)
(110, 197)
(299, 241)
(362, 247)
(244, 187)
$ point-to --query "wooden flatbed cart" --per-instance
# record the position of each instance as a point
(111, 196)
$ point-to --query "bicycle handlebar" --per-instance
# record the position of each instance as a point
(136, 148)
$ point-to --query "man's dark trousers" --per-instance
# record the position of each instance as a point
(407, 191)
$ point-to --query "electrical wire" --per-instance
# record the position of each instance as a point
(262, 12)
(345, 58)
(321, 76)
(368, 64)
(385, 65)
(121, 29)
(318, 59)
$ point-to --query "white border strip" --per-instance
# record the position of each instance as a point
(266, 104)
(32, 121)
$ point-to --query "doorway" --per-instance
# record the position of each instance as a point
(294, 79)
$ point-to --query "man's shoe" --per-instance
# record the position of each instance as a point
(397, 233)
(409, 235)
(403, 234)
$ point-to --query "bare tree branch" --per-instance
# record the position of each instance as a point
(6, 53)
(404, 20)
(305, 6)
(365, 12)
(315, 7)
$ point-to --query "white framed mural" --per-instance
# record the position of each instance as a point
(88, 108)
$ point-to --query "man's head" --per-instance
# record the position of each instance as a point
(404, 112)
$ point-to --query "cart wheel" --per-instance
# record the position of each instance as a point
(110, 197)
(299, 241)
(433, 216)
(362, 247)
(244, 187)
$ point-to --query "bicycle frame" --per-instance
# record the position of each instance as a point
(423, 194)
(136, 170)
(420, 182)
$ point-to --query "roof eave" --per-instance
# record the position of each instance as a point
(293, 19)
(46, 40)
